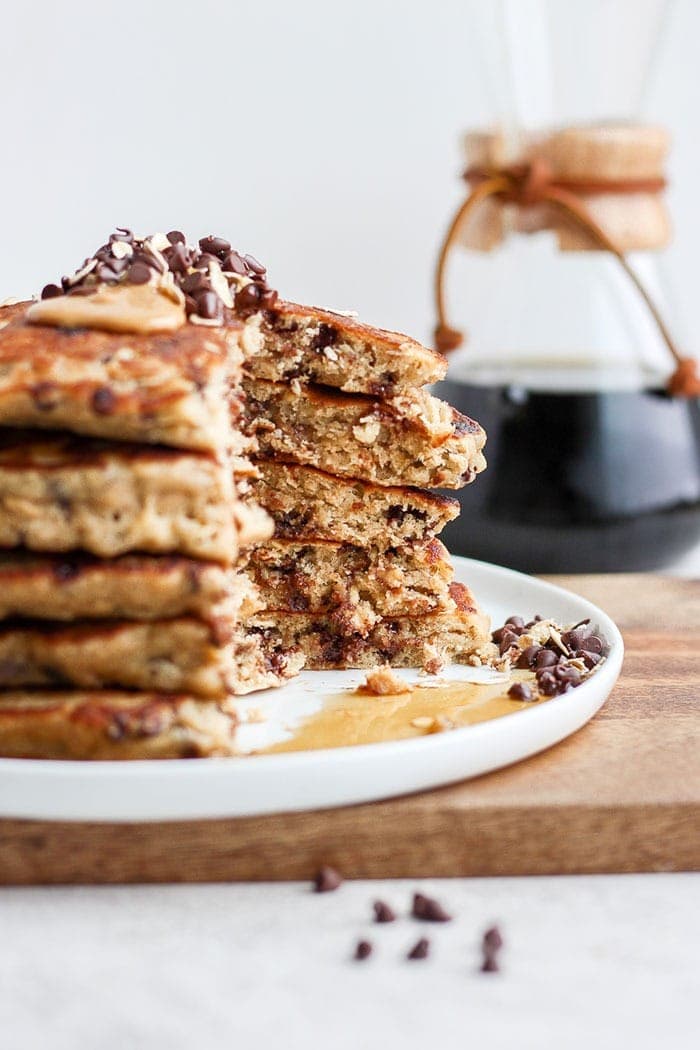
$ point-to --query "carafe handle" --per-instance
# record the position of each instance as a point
(532, 183)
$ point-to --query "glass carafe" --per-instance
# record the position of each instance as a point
(593, 465)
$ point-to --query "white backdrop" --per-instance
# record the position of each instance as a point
(321, 136)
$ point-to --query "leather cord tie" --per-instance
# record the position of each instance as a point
(533, 183)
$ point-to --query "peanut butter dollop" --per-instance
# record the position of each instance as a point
(141, 308)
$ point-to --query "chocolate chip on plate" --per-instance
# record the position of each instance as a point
(363, 950)
(508, 639)
(528, 657)
(520, 691)
(327, 879)
(428, 910)
(547, 683)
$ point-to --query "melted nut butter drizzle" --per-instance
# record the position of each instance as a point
(140, 308)
(352, 717)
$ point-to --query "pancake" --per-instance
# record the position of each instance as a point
(169, 389)
(262, 663)
(59, 492)
(359, 584)
(320, 346)
(180, 655)
(170, 656)
(134, 586)
(79, 724)
(419, 641)
(306, 503)
(410, 439)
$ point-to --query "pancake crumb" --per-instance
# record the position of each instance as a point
(383, 682)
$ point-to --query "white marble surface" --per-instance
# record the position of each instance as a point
(589, 962)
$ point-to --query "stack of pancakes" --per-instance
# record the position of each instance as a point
(348, 442)
(150, 407)
(122, 603)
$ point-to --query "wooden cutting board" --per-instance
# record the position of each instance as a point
(623, 794)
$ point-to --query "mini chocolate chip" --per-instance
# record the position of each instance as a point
(179, 258)
(327, 879)
(66, 570)
(253, 264)
(383, 912)
(567, 676)
(123, 234)
(50, 291)
(498, 635)
(176, 237)
(45, 395)
(593, 644)
(209, 305)
(214, 245)
(507, 640)
(204, 261)
(363, 950)
(428, 910)
(420, 949)
(194, 282)
(516, 622)
(104, 401)
(108, 271)
(143, 256)
(139, 272)
(520, 691)
(589, 659)
(327, 335)
(546, 658)
(528, 656)
(492, 939)
(248, 298)
(547, 683)
(234, 264)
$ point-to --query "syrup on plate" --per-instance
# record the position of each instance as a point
(356, 717)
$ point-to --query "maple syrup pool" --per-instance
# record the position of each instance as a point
(355, 716)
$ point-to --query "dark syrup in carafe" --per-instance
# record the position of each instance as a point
(589, 480)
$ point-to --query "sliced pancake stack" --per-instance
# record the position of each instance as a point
(150, 407)
(348, 442)
(122, 603)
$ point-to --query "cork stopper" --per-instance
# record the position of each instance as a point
(616, 170)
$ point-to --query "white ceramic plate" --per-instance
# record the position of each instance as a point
(225, 787)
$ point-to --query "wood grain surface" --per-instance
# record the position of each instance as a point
(622, 794)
